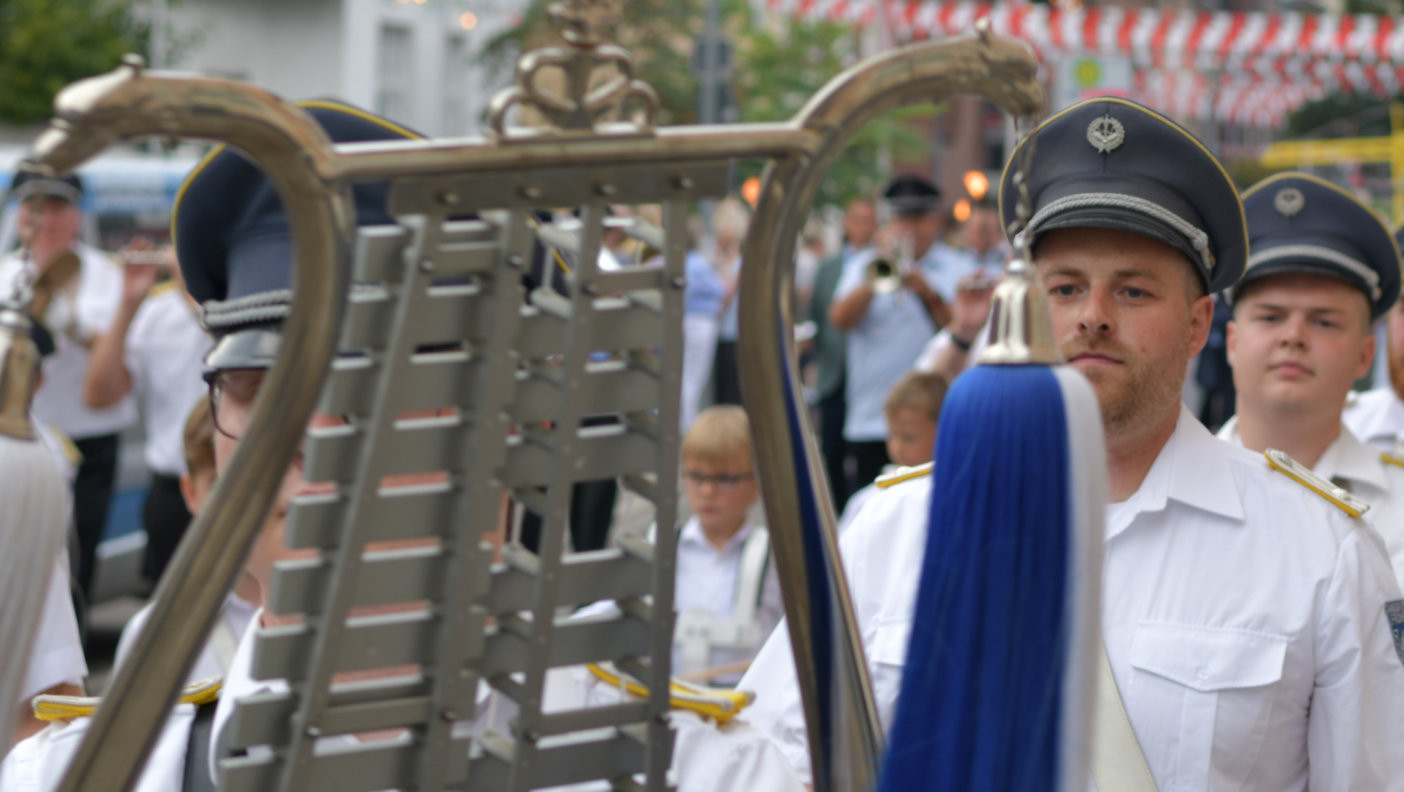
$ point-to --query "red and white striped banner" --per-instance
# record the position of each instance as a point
(1241, 67)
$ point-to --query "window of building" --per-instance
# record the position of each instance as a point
(456, 72)
(394, 94)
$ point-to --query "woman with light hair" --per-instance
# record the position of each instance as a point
(729, 223)
(38, 627)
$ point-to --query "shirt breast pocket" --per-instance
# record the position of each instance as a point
(1200, 699)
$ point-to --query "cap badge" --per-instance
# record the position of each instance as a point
(1106, 134)
(1289, 201)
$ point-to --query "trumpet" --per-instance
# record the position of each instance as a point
(883, 276)
(884, 273)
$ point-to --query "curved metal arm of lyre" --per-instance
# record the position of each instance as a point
(285, 142)
(844, 732)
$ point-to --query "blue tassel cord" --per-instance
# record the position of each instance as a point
(980, 704)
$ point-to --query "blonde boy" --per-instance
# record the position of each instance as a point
(727, 597)
(196, 484)
(912, 409)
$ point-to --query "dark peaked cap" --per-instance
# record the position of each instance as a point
(1111, 163)
(910, 194)
(1301, 224)
(235, 247)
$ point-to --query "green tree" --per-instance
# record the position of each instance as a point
(779, 68)
(47, 44)
(774, 71)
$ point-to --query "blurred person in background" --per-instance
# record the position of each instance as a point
(891, 317)
(912, 410)
(702, 306)
(77, 291)
(729, 224)
(831, 345)
(154, 348)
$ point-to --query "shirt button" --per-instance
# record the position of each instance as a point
(1203, 672)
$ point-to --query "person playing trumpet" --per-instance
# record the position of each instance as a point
(77, 289)
(890, 303)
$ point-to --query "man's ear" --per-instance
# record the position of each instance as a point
(1367, 355)
(1201, 321)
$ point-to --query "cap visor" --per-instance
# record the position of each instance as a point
(250, 348)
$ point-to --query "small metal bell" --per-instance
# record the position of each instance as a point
(19, 371)
(1020, 327)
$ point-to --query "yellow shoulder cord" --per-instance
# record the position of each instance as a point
(560, 262)
(1332, 494)
(66, 708)
(904, 474)
(717, 703)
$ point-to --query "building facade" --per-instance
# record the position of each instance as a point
(414, 61)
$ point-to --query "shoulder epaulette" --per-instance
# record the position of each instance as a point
(1391, 459)
(65, 708)
(719, 704)
(904, 474)
(161, 288)
(1296, 471)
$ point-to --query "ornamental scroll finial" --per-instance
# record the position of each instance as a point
(578, 87)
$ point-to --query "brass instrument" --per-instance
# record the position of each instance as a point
(881, 274)
(586, 156)
(886, 270)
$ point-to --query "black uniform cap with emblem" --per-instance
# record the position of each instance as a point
(234, 245)
(1111, 163)
(910, 194)
(1298, 223)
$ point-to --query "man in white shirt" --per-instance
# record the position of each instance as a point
(1323, 268)
(154, 348)
(77, 289)
(887, 328)
(1248, 621)
(1377, 416)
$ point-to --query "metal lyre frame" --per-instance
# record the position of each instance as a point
(582, 159)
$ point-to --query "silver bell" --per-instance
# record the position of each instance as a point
(19, 371)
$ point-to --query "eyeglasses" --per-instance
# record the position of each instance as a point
(232, 394)
(721, 480)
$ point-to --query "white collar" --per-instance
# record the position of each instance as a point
(1381, 414)
(692, 533)
(1192, 468)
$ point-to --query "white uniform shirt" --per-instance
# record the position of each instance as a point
(706, 757)
(887, 342)
(1377, 418)
(57, 656)
(165, 356)
(707, 582)
(38, 764)
(235, 617)
(1244, 618)
(1365, 475)
(75, 319)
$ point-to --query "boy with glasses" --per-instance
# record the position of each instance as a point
(727, 598)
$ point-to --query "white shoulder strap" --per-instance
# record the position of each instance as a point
(1118, 764)
(224, 642)
(755, 557)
